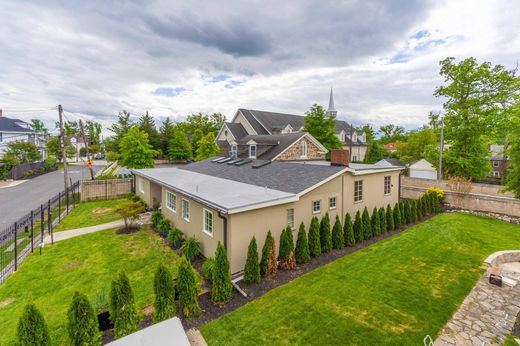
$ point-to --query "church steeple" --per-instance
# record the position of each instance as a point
(331, 110)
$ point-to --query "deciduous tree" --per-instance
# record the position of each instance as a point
(136, 152)
(179, 147)
(322, 126)
(207, 147)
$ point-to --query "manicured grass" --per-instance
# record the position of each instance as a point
(90, 213)
(391, 293)
(87, 264)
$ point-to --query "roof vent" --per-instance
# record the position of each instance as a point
(261, 163)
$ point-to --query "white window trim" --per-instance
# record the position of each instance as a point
(384, 185)
(361, 200)
(141, 185)
(204, 211)
(188, 204)
(250, 147)
(293, 223)
(175, 198)
(316, 211)
(304, 153)
(335, 203)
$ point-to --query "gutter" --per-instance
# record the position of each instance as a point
(224, 218)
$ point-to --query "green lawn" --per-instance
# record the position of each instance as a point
(91, 213)
(86, 263)
(392, 293)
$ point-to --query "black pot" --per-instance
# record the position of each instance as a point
(104, 321)
(164, 233)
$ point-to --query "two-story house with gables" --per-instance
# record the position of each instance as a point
(280, 132)
(18, 130)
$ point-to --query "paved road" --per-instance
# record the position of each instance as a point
(18, 200)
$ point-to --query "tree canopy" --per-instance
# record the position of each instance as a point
(136, 151)
(322, 126)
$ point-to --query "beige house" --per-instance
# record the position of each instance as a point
(230, 200)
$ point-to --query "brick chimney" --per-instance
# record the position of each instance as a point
(339, 157)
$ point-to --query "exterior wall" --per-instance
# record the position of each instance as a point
(358, 151)
(422, 174)
(483, 189)
(38, 139)
(223, 136)
(242, 120)
(293, 153)
(151, 190)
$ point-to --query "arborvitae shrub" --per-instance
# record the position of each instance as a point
(382, 220)
(188, 290)
(82, 324)
(286, 254)
(376, 228)
(221, 287)
(338, 241)
(123, 312)
(283, 252)
(428, 202)
(367, 227)
(302, 246)
(390, 225)
(435, 202)
(358, 228)
(348, 231)
(325, 236)
(413, 211)
(252, 268)
(407, 212)
(403, 213)
(266, 251)
(272, 263)
(314, 238)
(164, 289)
(290, 238)
(422, 208)
(397, 216)
(32, 329)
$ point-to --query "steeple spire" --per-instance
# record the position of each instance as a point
(331, 110)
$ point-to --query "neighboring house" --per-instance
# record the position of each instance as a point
(229, 200)
(77, 142)
(498, 160)
(391, 147)
(390, 162)
(248, 122)
(422, 169)
(18, 130)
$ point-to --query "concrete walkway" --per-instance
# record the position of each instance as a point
(81, 231)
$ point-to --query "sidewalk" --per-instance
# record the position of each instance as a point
(11, 183)
(81, 231)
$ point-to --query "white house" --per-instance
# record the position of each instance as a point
(423, 169)
(390, 162)
(17, 130)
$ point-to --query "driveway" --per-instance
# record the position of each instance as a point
(16, 201)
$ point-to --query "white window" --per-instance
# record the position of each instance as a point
(233, 149)
(290, 218)
(388, 185)
(495, 174)
(354, 158)
(303, 149)
(186, 210)
(316, 207)
(252, 151)
(141, 185)
(171, 201)
(332, 203)
(358, 190)
(208, 222)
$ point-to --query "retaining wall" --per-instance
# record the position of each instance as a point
(105, 189)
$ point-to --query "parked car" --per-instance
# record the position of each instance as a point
(99, 156)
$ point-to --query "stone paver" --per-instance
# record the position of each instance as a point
(486, 317)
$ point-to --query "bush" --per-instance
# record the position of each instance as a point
(338, 239)
(188, 290)
(175, 237)
(164, 289)
(164, 227)
(434, 201)
(129, 211)
(402, 210)
(440, 193)
(50, 162)
(82, 324)
(397, 216)
(252, 268)
(390, 225)
(112, 156)
(314, 238)
(358, 228)
(32, 329)
(156, 218)
(376, 228)
(191, 248)
(325, 236)
(221, 288)
(266, 251)
(415, 215)
(207, 268)
(123, 312)
(348, 231)
(407, 213)
(421, 213)
(367, 227)
(382, 220)
(302, 254)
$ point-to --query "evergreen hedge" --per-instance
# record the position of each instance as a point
(413, 210)
(348, 231)
(403, 213)
(325, 235)
(338, 240)
(82, 324)
(382, 220)
(123, 312)
(397, 216)
(252, 268)
(314, 238)
(266, 251)
(188, 290)
(32, 329)
(164, 289)
(407, 212)
(302, 246)
(376, 227)
(286, 254)
(367, 227)
(358, 228)
(390, 225)
(221, 287)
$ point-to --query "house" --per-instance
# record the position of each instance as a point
(249, 122)
(423, 169)
(12, 130)
(230, 200)
(391, 147)
(498, 160)
(77, 142)
(390, 162)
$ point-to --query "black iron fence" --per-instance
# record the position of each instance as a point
(30, 232)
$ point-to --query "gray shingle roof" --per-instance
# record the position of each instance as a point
(237, 130)
(268, 146)
(277, 175)
(254, 123)
(11, 125)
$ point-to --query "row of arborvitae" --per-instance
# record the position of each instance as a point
(321, 239)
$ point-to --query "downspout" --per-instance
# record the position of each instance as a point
(224, 218)
(343, 196)
(399, 186)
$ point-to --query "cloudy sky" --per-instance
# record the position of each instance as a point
(173, 58)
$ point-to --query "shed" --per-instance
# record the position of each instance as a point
(389, 162)
(423, 169)
(169, 332)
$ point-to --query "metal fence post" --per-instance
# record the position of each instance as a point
(59, 207)
(74, 196)
(15, 247)
(49, 221)
(42, 221)
(67, 199)
(32, 230)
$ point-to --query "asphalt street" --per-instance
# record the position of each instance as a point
(16, 201)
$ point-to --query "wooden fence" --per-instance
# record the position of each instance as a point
(105, 189)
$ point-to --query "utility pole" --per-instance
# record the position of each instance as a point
(63, 149)
(89, 162)
(441, 149)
